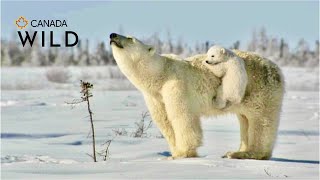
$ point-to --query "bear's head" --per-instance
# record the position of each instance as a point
(216, 54)
(135, 59)
(130, 49)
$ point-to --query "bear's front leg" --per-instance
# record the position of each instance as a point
(159, 116)
(184, 120)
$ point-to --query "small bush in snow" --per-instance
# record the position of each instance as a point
(120, 132)
(105, 154)
(86, 88)
(142, 126)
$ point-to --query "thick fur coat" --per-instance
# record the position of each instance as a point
(178, 93)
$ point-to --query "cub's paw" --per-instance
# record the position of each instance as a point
(219, 104)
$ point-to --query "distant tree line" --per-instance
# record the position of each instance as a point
(13, 54)
(279, 51)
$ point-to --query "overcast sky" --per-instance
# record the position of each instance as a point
(219, 22)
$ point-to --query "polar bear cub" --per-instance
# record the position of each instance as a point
(226, 64)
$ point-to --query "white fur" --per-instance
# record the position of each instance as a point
(224, 63)
(173, 56)
(178, 93)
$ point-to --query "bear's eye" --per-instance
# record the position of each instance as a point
(130, 38)
(212, 56)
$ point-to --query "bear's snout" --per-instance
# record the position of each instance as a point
(113, 35)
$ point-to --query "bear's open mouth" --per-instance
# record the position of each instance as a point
(212, 63)
(116, 43)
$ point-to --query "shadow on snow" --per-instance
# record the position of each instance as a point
(294, 160)
(29, 136)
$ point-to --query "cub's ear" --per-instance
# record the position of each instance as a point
(151, 50)
(223, 51)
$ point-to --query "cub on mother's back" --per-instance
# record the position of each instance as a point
(178, 93)
(231, 68)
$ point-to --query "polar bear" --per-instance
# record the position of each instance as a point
(178, 93)
(224, 63)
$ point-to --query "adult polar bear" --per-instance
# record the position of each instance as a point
(178, 93)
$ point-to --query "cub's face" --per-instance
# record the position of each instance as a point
(129, 48)
(215, 55)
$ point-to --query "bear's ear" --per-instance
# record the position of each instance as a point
(151, 50)
(223, 51)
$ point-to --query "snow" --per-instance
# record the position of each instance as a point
(303, 79)
(42, 137)
(110, 78)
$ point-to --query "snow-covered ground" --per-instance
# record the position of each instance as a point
(110, 78)
(44, 138)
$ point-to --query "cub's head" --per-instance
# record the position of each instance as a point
(216, 54)
(129, 49)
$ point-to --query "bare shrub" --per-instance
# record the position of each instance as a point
(271, 175)
(120, 132)
(105, 153)
(86, 88)
(58, 75)
(142, 126)
(267, 172)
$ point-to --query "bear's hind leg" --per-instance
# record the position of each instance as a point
(247, 155)
(243, 121)
(244, 144)
(263, 131)
(262, 134)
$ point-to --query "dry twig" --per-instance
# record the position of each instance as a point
(86, 95)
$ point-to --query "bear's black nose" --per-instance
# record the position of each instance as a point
(207, 62)
(113, 35)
